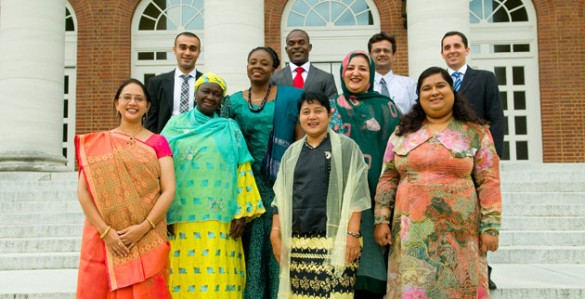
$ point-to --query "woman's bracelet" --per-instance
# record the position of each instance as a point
(355, 235)
(103, 235)
(275, 228)
(151, 223)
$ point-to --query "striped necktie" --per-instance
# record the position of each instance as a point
(384, 88)
(184, 103)
(457, 82)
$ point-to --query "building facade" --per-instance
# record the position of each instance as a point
(533, 46)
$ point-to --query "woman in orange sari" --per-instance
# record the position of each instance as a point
(126, 185)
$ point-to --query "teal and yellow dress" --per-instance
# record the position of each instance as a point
(215, 185)
(268, 134)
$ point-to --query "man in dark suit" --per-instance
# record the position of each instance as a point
(172, 93)
(300, 72)
(479, 88)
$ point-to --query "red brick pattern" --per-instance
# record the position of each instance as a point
(104, 49)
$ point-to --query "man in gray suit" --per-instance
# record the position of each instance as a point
(300, 73)
(479, 88)
(172, 93)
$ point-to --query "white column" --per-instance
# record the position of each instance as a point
(32, 41)
(232, 29)
(428, 21)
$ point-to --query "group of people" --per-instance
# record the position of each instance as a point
(287, 189)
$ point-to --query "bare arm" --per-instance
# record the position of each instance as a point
(353, 247)
(275, 238)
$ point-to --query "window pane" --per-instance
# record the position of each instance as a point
(161, 55)
(511, 4)
(295, 20)
(506, 128)
(145, 56)
(519, 15)
(504, 99)
(520, 125)
(66, 85)
(502, 48)
(65, 152)
(322, 9)
(501, 15)
(347, 19)
(506, 153)
(65, 108)
(313, 19)
(64, 132)
(500, 72)
(522, 48)
(518, 75)
(522, 150)
(519, 100)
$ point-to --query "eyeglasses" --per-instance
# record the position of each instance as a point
(128, 98)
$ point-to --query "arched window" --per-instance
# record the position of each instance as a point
(504, 40)
(330, 13)
(172, 15)
(335, 27)
(154, 27)
(69, 86)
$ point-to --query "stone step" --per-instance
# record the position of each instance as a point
(46, 207)
(544, 176)
(538, 255)
(542, 198)
(38, 284)
(62, 194)
(39, 245)
(54, 218)
(17, 186)
(549, 210)
(538, 281)
(544, 223)
(33, 261)
(514, 167)
(542, 238)
(532, 186)
(40, 231)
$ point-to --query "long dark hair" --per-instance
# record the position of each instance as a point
(462, 111)
(126, 83)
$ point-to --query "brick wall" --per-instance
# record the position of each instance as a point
(103, 61)
(561, 26)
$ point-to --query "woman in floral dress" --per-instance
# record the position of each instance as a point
(441, 178)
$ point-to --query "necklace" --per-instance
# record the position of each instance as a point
(256, 110)
(132, 139)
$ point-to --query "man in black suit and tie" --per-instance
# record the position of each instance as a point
(300, 73)
(478, 87)
(172, 93)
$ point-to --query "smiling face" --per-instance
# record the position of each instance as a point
(357, 74)
(187, 50)
(436, 97)
(454, 51)
(298, 47)
(132, 103)
(314, 119)
(208, 97)
(260, 67)
(382, 55)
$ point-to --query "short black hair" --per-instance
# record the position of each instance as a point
(314, 97)
(451, 33)
(189, 34)
(271, 52)
(380, 37)
(301, 31)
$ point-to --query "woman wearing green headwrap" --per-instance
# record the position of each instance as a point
(368, 118)
(216, 194)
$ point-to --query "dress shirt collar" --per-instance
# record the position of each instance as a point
(462, 70)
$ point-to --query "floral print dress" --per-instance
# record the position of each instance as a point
(445, 190)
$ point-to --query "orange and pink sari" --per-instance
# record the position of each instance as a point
(123, 180)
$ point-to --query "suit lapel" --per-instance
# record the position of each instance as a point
(287, 75)
(468, 79)
(310, 76)
(170, 90)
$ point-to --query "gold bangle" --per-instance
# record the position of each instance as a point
(275, 228)
(103, 235)
(355, 235)
(151, 223)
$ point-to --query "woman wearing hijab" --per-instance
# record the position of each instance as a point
(368, 118)
(216, 195)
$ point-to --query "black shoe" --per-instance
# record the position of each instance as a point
(492, 285)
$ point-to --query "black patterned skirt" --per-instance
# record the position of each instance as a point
(309, 278)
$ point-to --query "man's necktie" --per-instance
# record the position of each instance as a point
(384, 88)
(457, 82)
(184, 103)
(298, 81)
